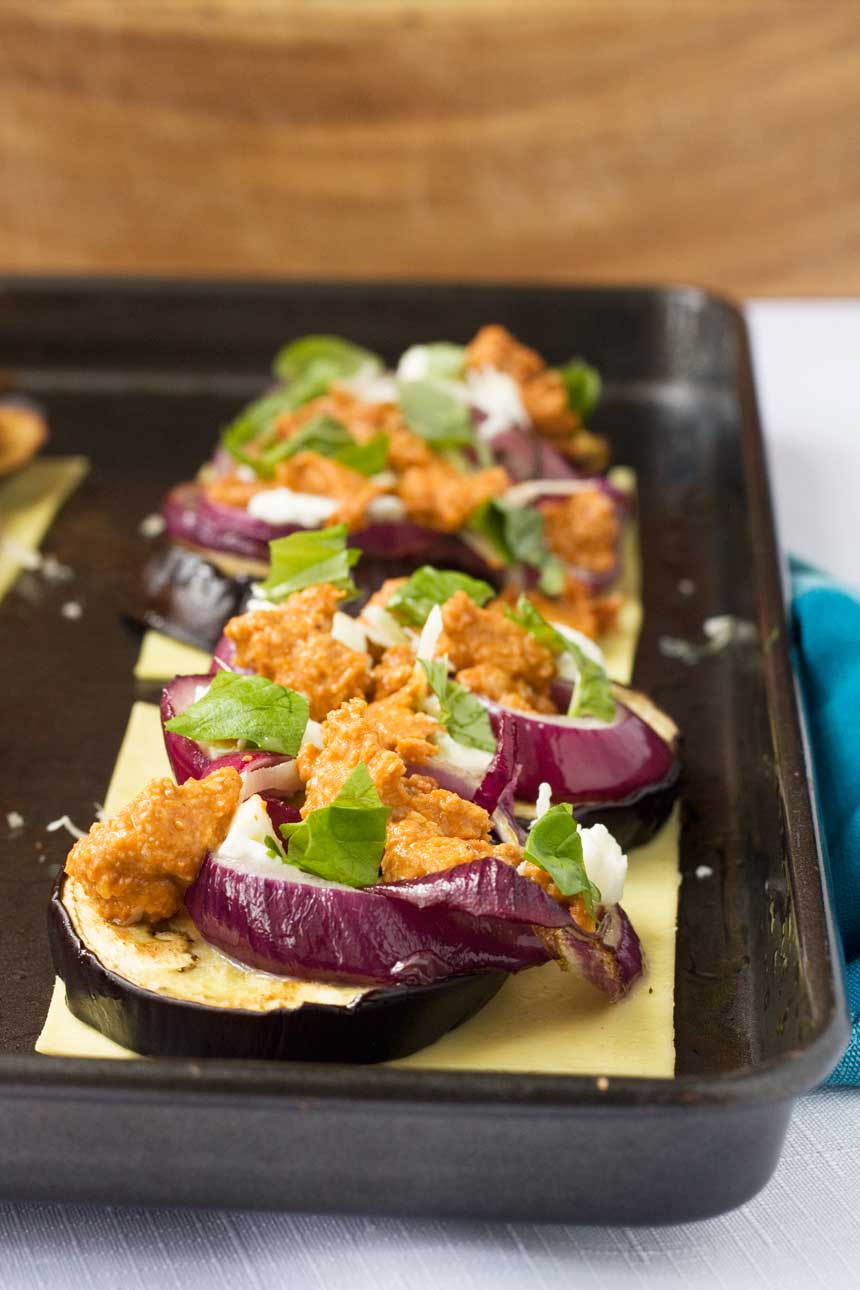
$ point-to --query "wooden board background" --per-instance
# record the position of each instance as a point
(710, 140)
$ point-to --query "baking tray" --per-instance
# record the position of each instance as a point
(139, 375)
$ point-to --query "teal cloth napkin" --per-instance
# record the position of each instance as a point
(827, 639)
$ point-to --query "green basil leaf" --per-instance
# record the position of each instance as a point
(525, 615)
(435, 414)
(583, 385)
(592, 692)
(524, 534)
(274, 848)
(463, 716)
(343, 842)
(516, 535)
(368, 458)
(322, 357)
(331, 438)
(553, 575)
(555, 846)
(309, 558)
(252, 709)
(413, 599)
(321, 433)
(489, 520)
(314, 383)
(257, 422)
(514, 532)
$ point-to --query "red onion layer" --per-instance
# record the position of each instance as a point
(262, 772)
(190, 516)
(586, 762)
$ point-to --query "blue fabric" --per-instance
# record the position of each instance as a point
(827, 636)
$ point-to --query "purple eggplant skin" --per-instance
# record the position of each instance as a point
(179, 592)
(381, 1026)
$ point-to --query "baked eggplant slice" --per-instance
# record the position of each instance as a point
(186, 593)
(164, 991)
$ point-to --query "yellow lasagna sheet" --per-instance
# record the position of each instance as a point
(29, 501)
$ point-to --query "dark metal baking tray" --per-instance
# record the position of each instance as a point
(139, 375)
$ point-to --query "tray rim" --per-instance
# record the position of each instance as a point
(775, 1080)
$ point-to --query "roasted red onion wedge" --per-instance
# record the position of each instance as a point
(482, 916)
(623, 775)
(190, 518)
(262, 772)
(610, 957)
(526, 455)
(486, 786)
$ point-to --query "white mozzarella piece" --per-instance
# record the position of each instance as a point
(370, 385)
(497, 396)
(605, 862)
(284, 506)
(543, 803)
(471, 761)
(386, 508)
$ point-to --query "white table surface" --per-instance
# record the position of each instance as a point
(802, 1231)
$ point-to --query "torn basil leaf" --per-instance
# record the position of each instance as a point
(321, 433)
(274, 848)
(525, 615)
(344, 841)
(413, 599)
(524, 534)
(368, 458)
(256, 423)
(329, 437)
(435, 414)
(516, 534)
(553, 575)
(554, 845)
(583, 385)
(316, 358)
(463, 716)
(247, 709)
(592, 691)
(308, 559)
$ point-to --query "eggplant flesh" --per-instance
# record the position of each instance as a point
(162, 991)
